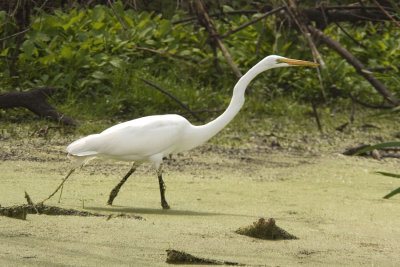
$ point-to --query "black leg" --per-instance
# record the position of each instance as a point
(116, 189)
(164, 203)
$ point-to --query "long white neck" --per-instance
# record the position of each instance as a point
(204, 132)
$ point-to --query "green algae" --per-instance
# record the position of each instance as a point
(332, 202)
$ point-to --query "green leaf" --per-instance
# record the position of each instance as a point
(116, 62)
(130, 22)
(4, 52)
(3, 16)
(98, 75)
(378, 146)
(394, 192)
(227, 8)
(28, 47)
(382, 45)
(185, 53)
(165, 27)
(144, 21)
(66, 52)
(98, 14)
(394, 175)
(73, 20)
(97, 25)
(45, 78)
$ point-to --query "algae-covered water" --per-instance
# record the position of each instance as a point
(332, 203)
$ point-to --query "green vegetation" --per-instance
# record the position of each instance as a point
(97, 65)
(380, 146)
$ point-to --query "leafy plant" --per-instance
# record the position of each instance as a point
(97, 65)
(379, 146)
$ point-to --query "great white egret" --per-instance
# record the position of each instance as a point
(149, 139)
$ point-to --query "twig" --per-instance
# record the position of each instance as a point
(116, 14)
(167, 54)
(59, 186)
(386, 13)
(15, 34)
(341, 127)
(315, 112)
(378, 69)
(59, 197)
(352, 110)
(260, 38)
(203, 16)
(368, 105)
(174, 98)
(28, 199)
(322, 8)
(348, 35)
(209, 111)
(233, 12)
(321, 83)
(344, 13)
(30, 202)
(299, 20)
(353, 7)
(252, 21)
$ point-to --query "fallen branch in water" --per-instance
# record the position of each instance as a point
(21, 211)
(180, 257)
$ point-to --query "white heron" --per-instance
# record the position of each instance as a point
(149, 139)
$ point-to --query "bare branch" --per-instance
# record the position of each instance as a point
(252, 21)
(379, 69)
(299, 19)
(167, 54)
(15, 34)
(203, 15)
(368, 105)
(174, 98)
(386, 13)
(116, 14)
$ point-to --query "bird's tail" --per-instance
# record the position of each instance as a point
(84, 147)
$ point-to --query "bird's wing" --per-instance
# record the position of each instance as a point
(136, 139)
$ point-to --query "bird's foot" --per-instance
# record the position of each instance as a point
(110, 200)
(165, 205)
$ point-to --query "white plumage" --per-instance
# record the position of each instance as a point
(153, 137)
(134, 140)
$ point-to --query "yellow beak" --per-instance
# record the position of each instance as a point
(295, 62)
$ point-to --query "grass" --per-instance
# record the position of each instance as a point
(294, 129)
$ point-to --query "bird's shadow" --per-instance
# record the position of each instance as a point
(132, 210)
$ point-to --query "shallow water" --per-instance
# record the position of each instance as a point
(333, 203)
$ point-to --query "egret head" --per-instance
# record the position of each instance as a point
(274, 61)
